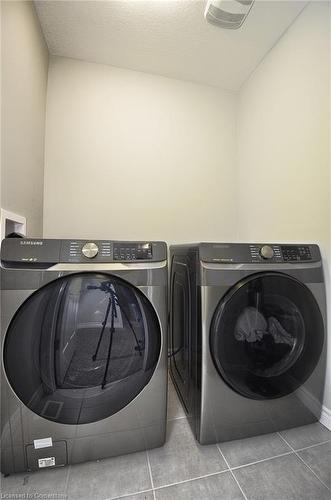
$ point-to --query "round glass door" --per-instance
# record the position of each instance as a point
(266, 336)
(82, 347)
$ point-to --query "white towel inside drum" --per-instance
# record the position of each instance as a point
(252, 326)
(280, 335)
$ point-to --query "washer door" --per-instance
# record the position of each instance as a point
(267, 336)
(82, 347)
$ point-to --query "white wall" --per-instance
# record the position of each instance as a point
(23, 98)
(135, 156)
(283, 143)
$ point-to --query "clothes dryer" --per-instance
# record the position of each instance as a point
(247, 336)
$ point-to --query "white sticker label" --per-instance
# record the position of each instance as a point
(46, 462)
(42, 443)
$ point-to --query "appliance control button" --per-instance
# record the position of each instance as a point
(266, 252)
(90, 250)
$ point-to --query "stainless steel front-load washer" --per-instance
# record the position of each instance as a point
(84, 352)
(247, 337)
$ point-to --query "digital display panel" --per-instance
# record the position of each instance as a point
(133, 251)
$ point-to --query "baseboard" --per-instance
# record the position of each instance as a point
(322, 413)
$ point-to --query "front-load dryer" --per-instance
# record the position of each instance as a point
(84, 352)
(247, 337)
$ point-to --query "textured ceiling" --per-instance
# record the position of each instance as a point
(169, 38)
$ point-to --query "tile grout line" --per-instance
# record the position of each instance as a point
(301, 459)
(232, 473)
(150, 474)
(262, 460)
(191, 479)
(314, 445)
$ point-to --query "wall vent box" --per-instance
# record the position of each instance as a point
(11, 223)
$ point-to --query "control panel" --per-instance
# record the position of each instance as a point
(105, 251)
(265, 253)
(262, 253)
(45, 252)
(83, 251)
(132, 251)
(296, 253)
(281, 253)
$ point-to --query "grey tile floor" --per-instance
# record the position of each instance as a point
(291, 465)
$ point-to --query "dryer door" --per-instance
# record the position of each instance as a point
(267, 336)
(82, 347)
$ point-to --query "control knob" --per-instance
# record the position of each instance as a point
(90, 250)
(266, 252)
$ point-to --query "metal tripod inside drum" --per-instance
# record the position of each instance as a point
(113, 302)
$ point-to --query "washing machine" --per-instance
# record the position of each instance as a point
(84, 350)
(247, 337)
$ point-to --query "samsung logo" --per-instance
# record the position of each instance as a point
(29, 242)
